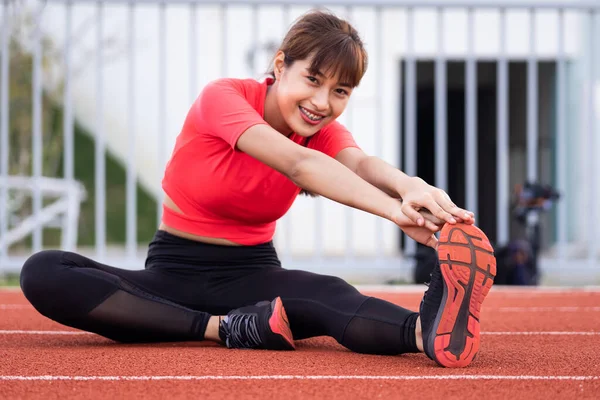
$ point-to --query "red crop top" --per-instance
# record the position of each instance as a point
(223, 192)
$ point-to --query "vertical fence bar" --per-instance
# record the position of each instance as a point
(502, 147)
(224, 41)
(532, 105)
(561, 138)
(471, 117)
(379, 117)
(410, 150)
(401, 121)
(254, 39)
(286, 17)
(592, 144)
(401, 118)
(441, 152)
(68, 137)
(69, 166)
(100, 172)
(4, 118)
(532, 112)
(37, 140)
(162, 97)
(193, 51)
(131, 205)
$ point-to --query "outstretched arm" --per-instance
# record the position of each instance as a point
(415, 193)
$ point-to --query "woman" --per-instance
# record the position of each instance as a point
(212, 273)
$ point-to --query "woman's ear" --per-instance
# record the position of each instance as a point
(278, 64)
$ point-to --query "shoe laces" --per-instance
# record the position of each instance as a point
(242, 331)
(435, 286)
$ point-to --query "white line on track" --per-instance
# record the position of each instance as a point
(507, 333)
(543, 333)
(504, 290)
(299, 377)
(544, 309)
(27, 332)
(15, 307)
(11, 289)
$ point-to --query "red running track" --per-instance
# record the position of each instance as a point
(536, 345)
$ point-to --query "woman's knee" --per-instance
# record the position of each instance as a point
(39, 270)
(62, 285)
(330, 291)
(338, 290)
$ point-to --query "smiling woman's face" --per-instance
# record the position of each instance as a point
(319, 62)
(308, 101)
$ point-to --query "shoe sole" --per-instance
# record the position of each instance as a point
(280, 325)
(468, 266)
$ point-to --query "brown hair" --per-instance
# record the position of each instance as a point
(334, 45)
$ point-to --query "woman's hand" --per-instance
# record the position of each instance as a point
(422, 234)
(418, 195)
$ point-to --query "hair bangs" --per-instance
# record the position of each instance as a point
(344, 61)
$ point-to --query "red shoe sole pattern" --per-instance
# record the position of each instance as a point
(468, 266)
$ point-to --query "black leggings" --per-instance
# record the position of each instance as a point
(185, 282)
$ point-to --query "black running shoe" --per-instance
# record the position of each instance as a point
(261, 326)
(451, 305)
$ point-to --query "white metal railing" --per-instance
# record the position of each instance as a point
(67, 196)
(218, 45)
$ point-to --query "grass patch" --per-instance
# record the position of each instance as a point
(9, 280)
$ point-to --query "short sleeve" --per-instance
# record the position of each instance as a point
(224, 109)
(332, 139)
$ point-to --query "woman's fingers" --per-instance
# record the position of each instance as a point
(423, 218)
(432, 242)
(430, 217)
(435, 208)
(444, 201)
(431, 226)
(413, 214)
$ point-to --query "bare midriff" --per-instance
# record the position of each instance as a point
(186, 235)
